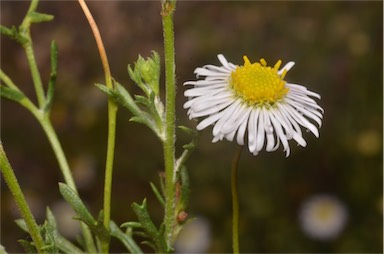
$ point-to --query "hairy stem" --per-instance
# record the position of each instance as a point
(235, 201)
(169, 143)
(11, 180)
(112, 112)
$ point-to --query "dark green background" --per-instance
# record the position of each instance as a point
(338, 50)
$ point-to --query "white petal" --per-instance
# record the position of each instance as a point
(303, 89)
(229, 136)
(260, 132)
(205, 72)
(286, 67)
(211, 110)
(207, 99)
(217, 68)
(280, 133)
(208, 121)
(301, 120)
(228, 113)
(205, 82)
(192, 92)
(240, 116)
(241, 131)
(269, 132)
(252, 130)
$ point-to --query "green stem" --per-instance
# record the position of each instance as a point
(112, 112)
(65, 170)
(235, 201)
(8, 82)
(11, 180)
(169, 143)
(42, 116)
(35, 72)
(28, 47)
(58, 150)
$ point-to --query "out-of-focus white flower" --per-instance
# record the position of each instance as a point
(65, 217)
(195, 237)
(323, 217)
(255, 99)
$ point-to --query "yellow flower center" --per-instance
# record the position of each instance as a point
(258, 83)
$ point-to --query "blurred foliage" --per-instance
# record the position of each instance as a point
(338, 49)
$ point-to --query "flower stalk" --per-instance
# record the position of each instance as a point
(112, 112)
(168, 8)
(235, 200)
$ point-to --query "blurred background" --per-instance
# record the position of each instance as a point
(327, 197)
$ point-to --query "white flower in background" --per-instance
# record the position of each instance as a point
(195, 237)
(323, 217)
(253, 99)
(67, 223)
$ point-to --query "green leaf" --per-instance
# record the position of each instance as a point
(61, 243)
(77, 205)
(49, 232)
(100, 230)
(131, 224)
(6, 31)
(52, 78)
(188, 130)
(14, 34)
(146, 73)
(185, 188)
(27, 246)
(37, 17)
(11, 94)
(157, 193)
(21, 223)
(127, 240)
(121, 96)
(149, 227)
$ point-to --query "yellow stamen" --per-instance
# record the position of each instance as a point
(258, 83)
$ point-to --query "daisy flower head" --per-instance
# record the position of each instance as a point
(323, 217)
(252, 103)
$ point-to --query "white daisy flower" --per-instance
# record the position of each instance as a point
(252, 100)
(323, 217)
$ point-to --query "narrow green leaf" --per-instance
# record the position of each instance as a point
(143, 101)
(11, 94)
(77, 205)
(37, 17)
(157, 193)
(100, 230)
(126, 99)
(127, 240)
(144, 218)
(131, 224)
(14, 34)
(49, 232)
(6, 31)
(61, 243)
(52, 78)
(188, 130)
(185, 188)
(149, 227)
(21, 223)
(27, 246)
(149, 244)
